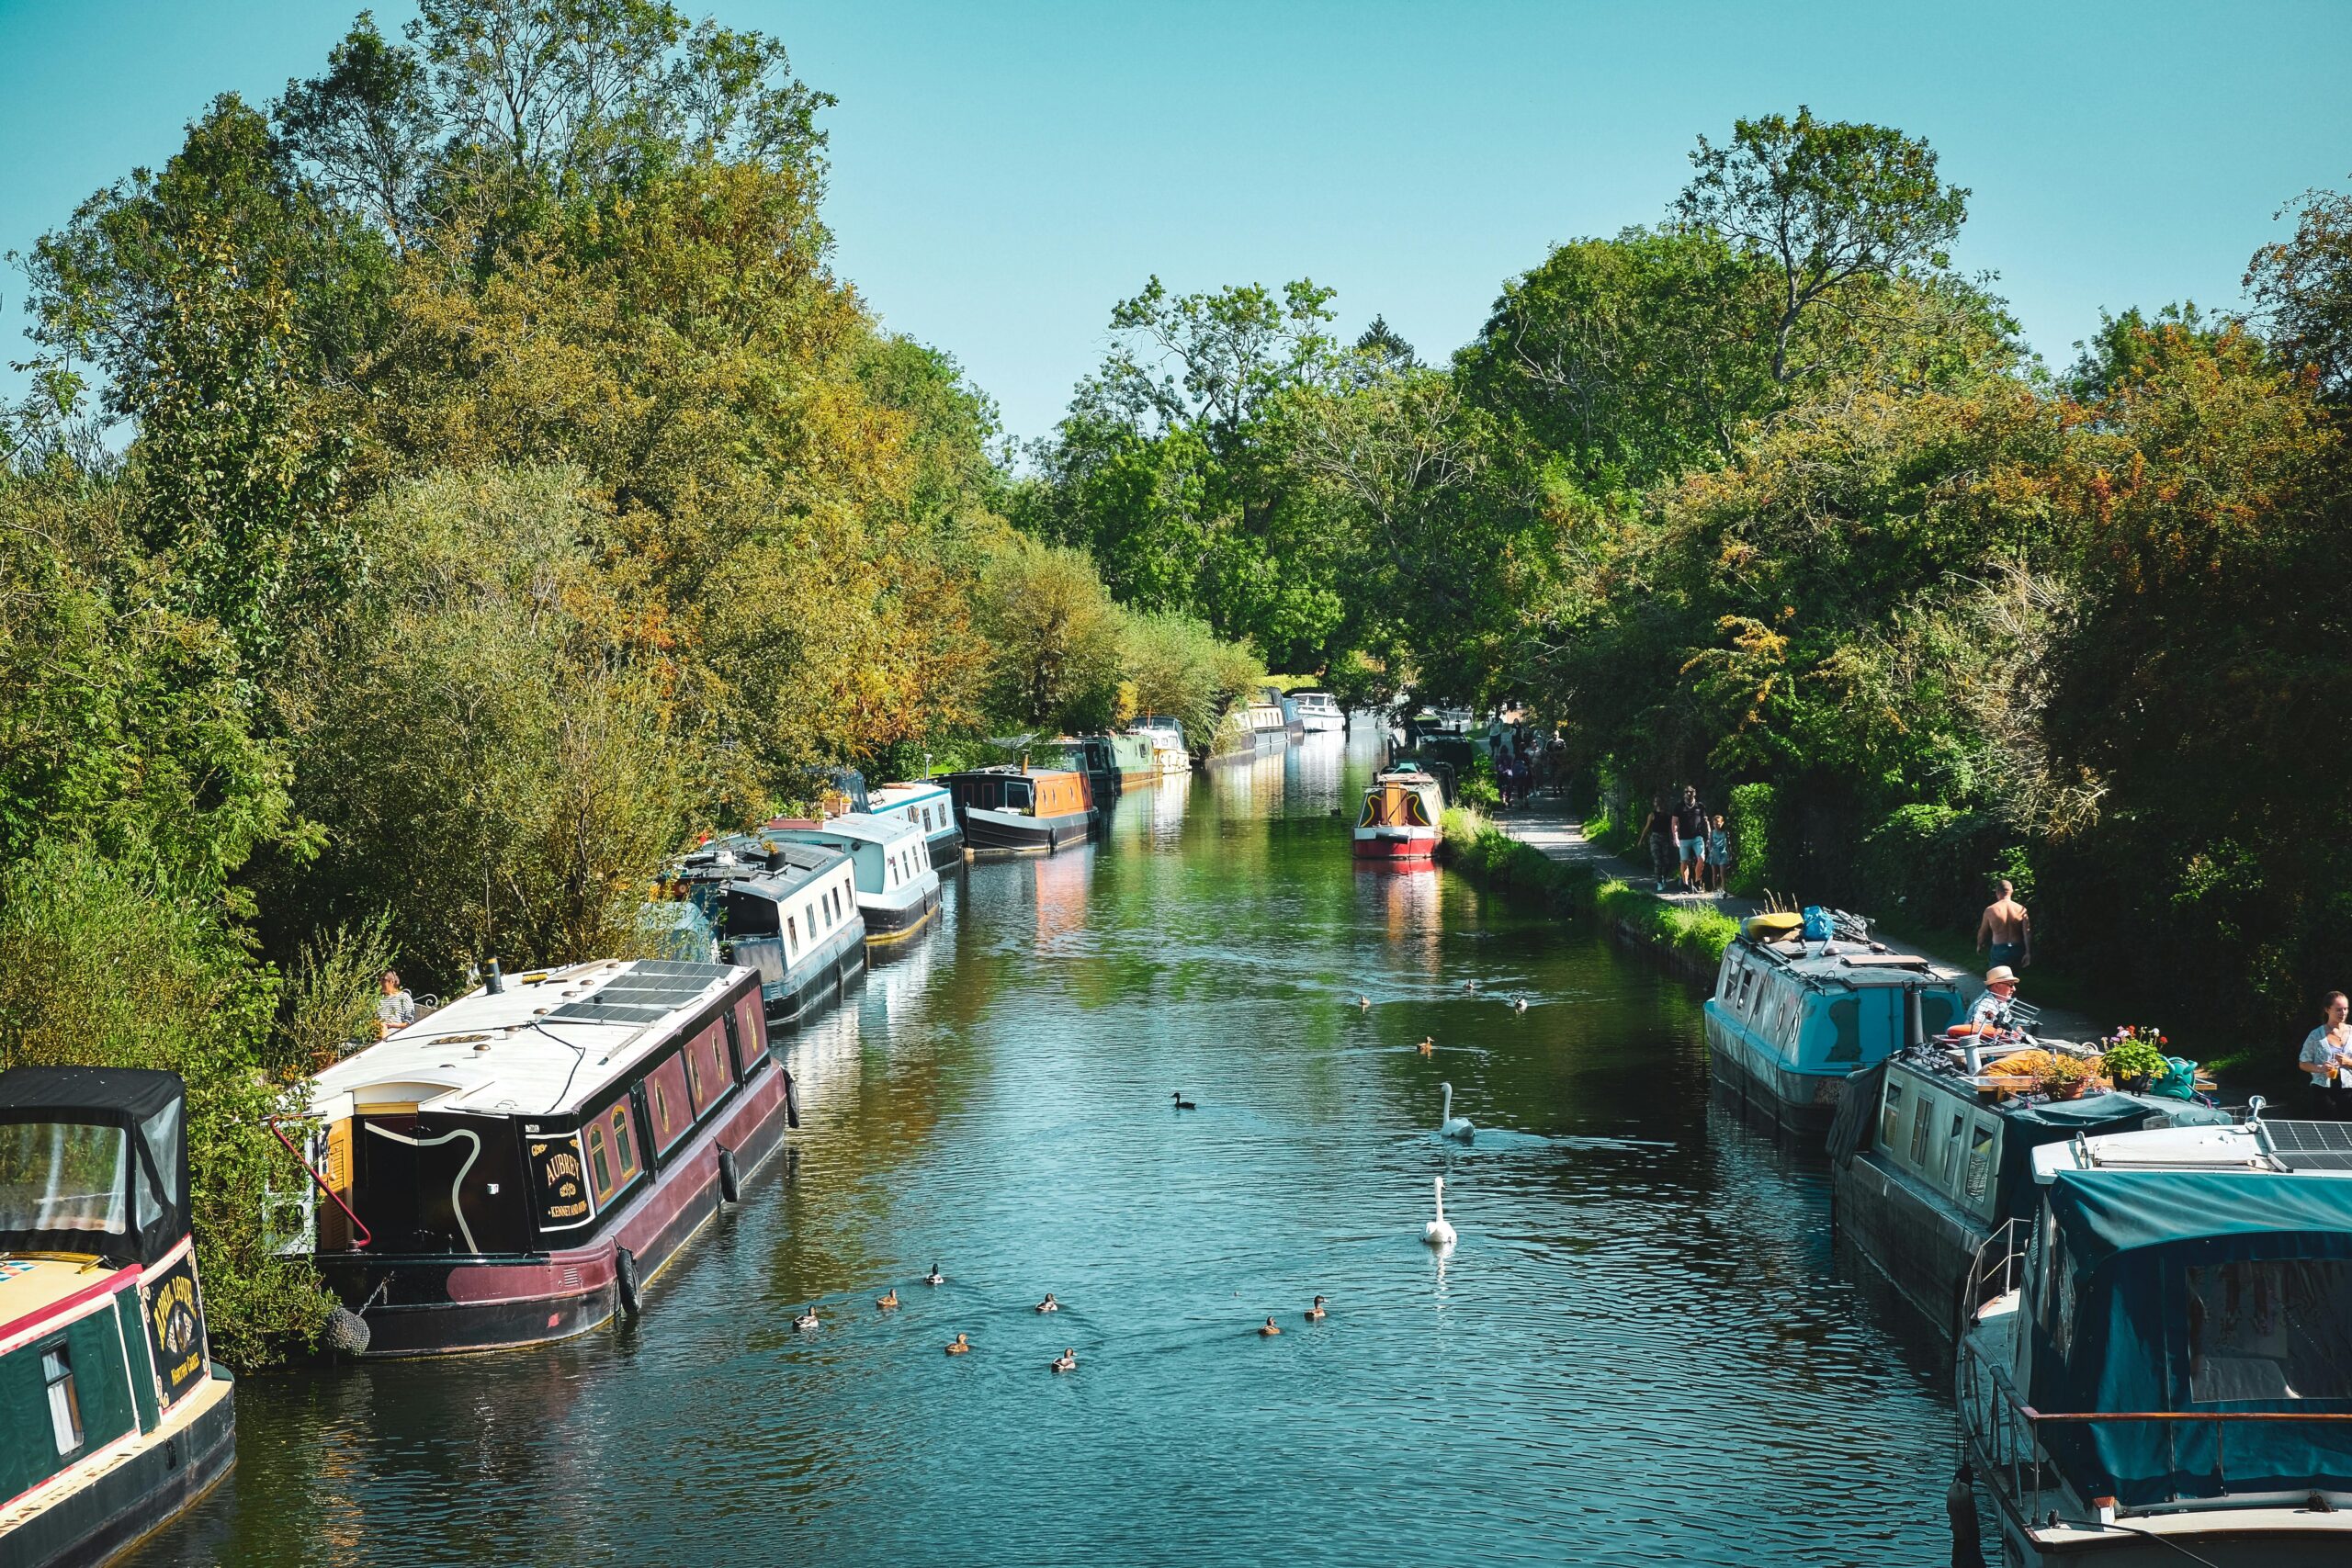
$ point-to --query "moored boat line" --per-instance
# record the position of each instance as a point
(1021, 810)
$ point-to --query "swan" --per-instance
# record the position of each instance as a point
(1449, 1125)
(961, 1347)
(935, 1277)
(1049, 1304)
(1181, 1103)
(807, 1319)
(889, 1300)
(1437, 1233)
(1269, 1331)
(1316, 1313)
(1066, 1361)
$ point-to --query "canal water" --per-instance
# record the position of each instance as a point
(1641, 1350)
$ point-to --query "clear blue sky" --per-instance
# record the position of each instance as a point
(1003, 172)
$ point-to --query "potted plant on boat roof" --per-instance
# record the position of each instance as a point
(2135, 1058)
(2065, 1077)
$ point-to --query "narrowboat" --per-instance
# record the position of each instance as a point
(113, 1418)
(1790, 1020)
(517, 1167)
(1088, 755)
(929, 808)
(1928, 1157)
(1268, 729)
(898, 891)
(1318, 713)
(1135, 760)
(2163, 1373)
(1294, 725)
(790, 912)
(1403, 816)
(1165, 736)
(1021, 811)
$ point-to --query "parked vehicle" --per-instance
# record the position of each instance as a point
(113, 1418)
(518, 1166)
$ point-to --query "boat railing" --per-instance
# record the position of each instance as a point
(1996, 1271)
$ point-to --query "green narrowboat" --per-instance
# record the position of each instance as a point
(113, 1418)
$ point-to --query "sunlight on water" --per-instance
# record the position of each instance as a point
(1639, 1350)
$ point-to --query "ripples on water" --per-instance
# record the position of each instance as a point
(1639, 1352)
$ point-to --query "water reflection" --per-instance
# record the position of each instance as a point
(1639, 1349)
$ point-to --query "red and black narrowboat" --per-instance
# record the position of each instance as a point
(518, 1166)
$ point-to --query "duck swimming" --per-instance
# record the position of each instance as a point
(1049, 1304)
(1066, 1361)
(1269, 1331)
(889, 1300)
(1427, 1048)
(935, 1277)
(1363, 1003)
(1181, 1103)
(1468, 986)
(807, 1319)
(1518, 1004)
(1316, 1313)
(961, 1347)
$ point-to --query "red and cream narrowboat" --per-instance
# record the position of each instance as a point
(519, 1166)
(1403, 812)
(113, 1418)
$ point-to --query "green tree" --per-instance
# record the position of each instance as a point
(1053, 638)
(2302, 288)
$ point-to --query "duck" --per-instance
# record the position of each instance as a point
(1181, 1103)
(1518, 1004)
(960, 1347)
(889, 1300)
(1363, 1003)
(1437, 1233)
(1427, 1048)
(807, 1319)
(1316, 1313)
(1269, 1331)
(935, 1277)
(1049, 1304)
(1066, 1361)
(1449, 1125)
(1468, 986)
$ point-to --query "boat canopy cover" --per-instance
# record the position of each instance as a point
(2196, 1292)
(119, 1190)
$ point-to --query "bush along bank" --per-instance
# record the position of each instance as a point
(1691, 939)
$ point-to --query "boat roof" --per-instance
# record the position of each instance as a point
(1014, 770)
(770, 866)
(541, 1045)
(2256, 1145)
(902, 790)
(850, 827)
(1852, 964)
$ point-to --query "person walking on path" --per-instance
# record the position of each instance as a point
(1658, 831)
(2009, 930)
(1690, 840)
(1718, 854)
(2326, 1049)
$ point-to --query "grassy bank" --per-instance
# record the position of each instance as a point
(1487, 854)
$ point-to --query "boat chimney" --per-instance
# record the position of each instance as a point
(491, 983)
(1914, 1023)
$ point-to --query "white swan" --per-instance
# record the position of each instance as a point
(1437, 1233)
(1449, 1125)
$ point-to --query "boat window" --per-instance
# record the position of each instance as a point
(792, 930)
(1921, 1119)
(666, 1099)
(1846, 1018)
(1978, 1177)
(611, 1142)
(751, 1040)
(1951, 1147)
(2270, 1328)
(706, 1073)
(1891, 1117)
(64, 1404)
(63, 1175)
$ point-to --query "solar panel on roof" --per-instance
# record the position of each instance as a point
(646, 992)
(2310, 1146)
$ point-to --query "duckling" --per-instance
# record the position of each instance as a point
(889, 1300)
(1269, 1331)
(807, 1319)
(1469, 986)
(961, 1347)
(1049, 1304)
(935, 1277)
(1181, 1103)
(1427, 1048)
(1316, 1313)
(1066, 1361)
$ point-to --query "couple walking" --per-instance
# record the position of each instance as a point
(1684, 842)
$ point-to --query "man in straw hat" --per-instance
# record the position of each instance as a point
(1993, 1007)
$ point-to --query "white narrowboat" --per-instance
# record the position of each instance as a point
(788, 910)
(930, 807)
(897, 890)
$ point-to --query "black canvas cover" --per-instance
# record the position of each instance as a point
(150, 1107)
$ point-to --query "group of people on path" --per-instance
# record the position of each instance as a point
(1688, 845)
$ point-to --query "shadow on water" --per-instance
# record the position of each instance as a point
(1641, 1348)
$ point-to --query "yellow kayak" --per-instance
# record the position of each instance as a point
(1772, 928)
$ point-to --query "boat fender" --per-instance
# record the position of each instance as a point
(791, 1103)
(625, 1279)
(347, 1332)
(1959, 1506)
(731, 1184)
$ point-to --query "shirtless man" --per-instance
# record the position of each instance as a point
(2008, 929)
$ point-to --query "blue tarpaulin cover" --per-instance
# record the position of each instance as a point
(2196, 1292)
